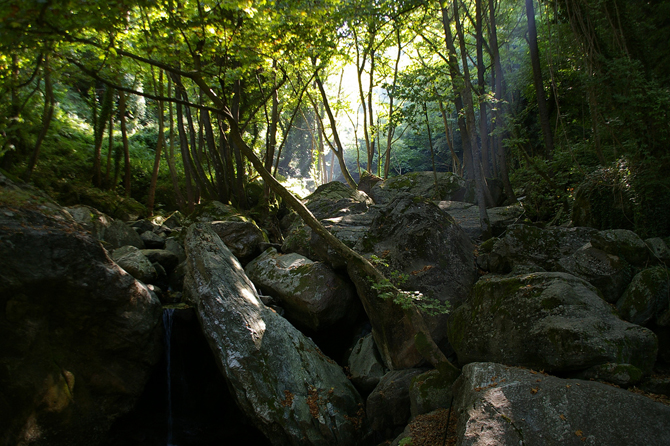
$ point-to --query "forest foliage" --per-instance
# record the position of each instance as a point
(152, 99)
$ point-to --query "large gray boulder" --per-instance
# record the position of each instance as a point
(646, 298)
(416, 239)
(78, 336)
(312, 294)
(501, 406)
(365, 365)
(243, 238)
(549, 321)
(388, 407)
(450, 187)
(609, 273)
(622, 243)
(113, 233)
(467, 217)
(526, 248)
(280, 379)
(135, 263)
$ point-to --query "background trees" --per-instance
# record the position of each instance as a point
(322, 88)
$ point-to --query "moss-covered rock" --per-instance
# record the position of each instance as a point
(609, 273)
(528, 248)
(430, 391)
(622, 243)
(449, 187)
(549, 321)
(280, 379)
(646, 298)
(624, 375)
(215, 211)
(312, 294)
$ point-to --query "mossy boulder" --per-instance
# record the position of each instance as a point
(646, 298)
(366, 367)
(550, 321)
(243, 238)
(215, 211)
(658, 250)
(312, 294)
(113, 233)
(334, 199)
(279, 378)
(624, 375)
(449, 187)
(387, 407)
(607, 272)
(622, 243)
(526, 248)
(430, 391)
(135, 263)
(497, 404)
(427, 251)
(79, 336)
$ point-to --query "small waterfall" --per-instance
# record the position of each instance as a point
(167, 325)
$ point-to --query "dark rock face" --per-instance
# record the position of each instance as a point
(79, 335)
(293, 393)
(499, 405)
(243, 238)
(416, 238)
(449, 187)
(548, 321)
(526, 248)
(112, 232)
(312, 294)
(388, 406)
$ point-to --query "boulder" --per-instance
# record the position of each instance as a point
(609, 273)
(526, 248)
(281, 380)
(624, 375)
(152, 240)
(212, 211)
(421, 244)
(549, 321)
(135, 263)
(499, 405)
(658, 250)
(450, 187)
(167, 259)
(336, 199)
(79, 335)
(646, 298)
(175, 247)
(312, 294)
(387, 406)
(243, 238)
(114, 233)
(365, 364)
(367, 181)
(430, 391)
(622, 243)
(467, 217)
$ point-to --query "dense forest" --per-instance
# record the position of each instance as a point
(170, 102)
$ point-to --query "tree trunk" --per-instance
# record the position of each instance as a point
(47, 115)
(169, 157)
(126, 148)
(110, 149)
(537, 80)
(481, 71)
(430, 142)
(105, 110)
(336, 137)
(471, 128)
(456, 79)
(500, 149)
(159, 147)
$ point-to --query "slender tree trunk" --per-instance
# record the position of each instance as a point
(456, 79)
(186, 160)
(391, 123)
(481, 71)
(336, 137)
(159, 147)
(169, 157)
(105, 110)
(501, 150)
(241, 175)
(110, 149)
(537, 80)
(456, 164)
(126, 148)
(47, 115)
(430, 141)
(471, 128)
